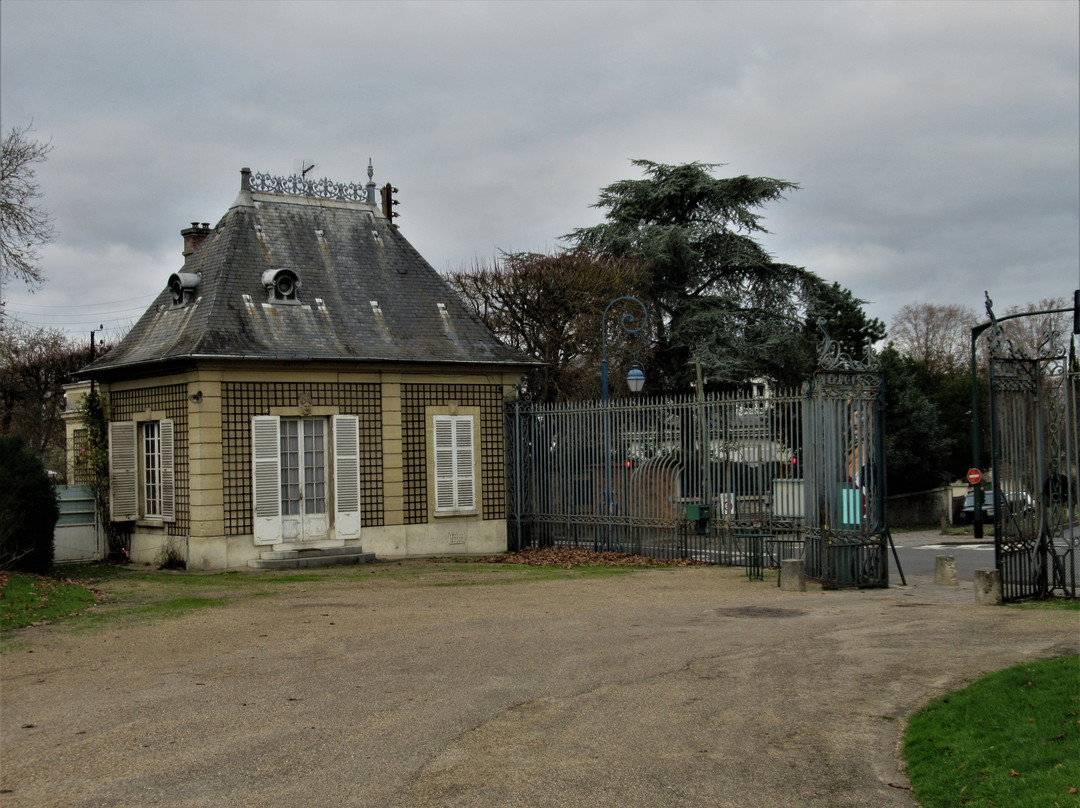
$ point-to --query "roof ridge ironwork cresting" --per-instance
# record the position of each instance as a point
(296, 185)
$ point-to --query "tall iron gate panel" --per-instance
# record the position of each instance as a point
(1035, 434)
(846, 532)
(672, 478)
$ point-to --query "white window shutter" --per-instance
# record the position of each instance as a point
(444, 463)
(346, 476)
(168, 475)
(123, 472)
(463, 463)
(266, 477)
(455, 478)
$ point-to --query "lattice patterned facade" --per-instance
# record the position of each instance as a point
(415, 399)
(79, 473)
(242, 400)
(171, 400)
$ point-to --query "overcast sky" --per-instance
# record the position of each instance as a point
(937, 144)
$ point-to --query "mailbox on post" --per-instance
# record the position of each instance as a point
(700, 514)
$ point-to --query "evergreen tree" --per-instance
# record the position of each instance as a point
(28, 509)
(918, 443)
(718, 297)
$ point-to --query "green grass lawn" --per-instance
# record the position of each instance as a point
(27, 600)
(1009, 739)
(133, 593)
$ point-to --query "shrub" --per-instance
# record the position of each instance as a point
(171, 555)
(28, 509)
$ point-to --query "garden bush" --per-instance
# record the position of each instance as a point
(28, 509)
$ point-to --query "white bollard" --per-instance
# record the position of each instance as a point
(988, 587)
(945, 572)
(793, 575)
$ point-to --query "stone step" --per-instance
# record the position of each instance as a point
(307, 552)
(310, 559)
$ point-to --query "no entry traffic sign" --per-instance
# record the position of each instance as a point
(974, 476)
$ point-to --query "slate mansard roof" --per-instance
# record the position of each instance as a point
(365, 294)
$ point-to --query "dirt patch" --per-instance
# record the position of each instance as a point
(760, 611)
(366, 691)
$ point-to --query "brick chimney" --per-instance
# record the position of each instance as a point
(194, 236)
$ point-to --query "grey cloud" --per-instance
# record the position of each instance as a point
(935, 143)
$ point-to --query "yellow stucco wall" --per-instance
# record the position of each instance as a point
(211, 530)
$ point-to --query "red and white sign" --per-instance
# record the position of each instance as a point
(974, 476)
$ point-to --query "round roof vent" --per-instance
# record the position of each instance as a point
(182, 287)
(281, 284)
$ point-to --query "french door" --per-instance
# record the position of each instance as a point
(303, 479)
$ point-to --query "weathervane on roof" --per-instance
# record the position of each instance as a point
(301, 167)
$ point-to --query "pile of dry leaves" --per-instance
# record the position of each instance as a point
(568, 557)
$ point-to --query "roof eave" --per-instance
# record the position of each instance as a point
(166, 365)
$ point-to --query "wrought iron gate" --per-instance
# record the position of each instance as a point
(735, 479)
(1035, 434)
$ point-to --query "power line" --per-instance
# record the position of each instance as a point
(89, 305)
(82, 325)
(80, 316)
(115, 325)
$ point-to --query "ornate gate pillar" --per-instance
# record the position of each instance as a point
(846, 532)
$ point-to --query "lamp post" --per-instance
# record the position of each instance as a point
(635, 380)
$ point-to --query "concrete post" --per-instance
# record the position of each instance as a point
(988, 587)
(945, 572)
(793, 575)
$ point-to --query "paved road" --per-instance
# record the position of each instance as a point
(678, 687)
(918, 554)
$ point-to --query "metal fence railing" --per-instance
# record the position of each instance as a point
(670, 478)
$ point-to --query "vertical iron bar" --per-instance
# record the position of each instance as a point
(1043, 550)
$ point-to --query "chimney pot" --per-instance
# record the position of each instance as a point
(193, 237)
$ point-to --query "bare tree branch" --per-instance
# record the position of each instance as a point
(24, 224)
(939, 336)
(551, 307)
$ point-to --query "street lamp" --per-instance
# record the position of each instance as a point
(635, 380)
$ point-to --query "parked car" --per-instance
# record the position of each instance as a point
(1020, 503)
(967, 513)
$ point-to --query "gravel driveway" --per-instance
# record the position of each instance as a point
(667, 687)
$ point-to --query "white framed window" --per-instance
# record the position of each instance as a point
(455, 470)
(292, 475)
(141, 471)
(150, 432)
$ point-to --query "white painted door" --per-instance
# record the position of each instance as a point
(303, 479)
